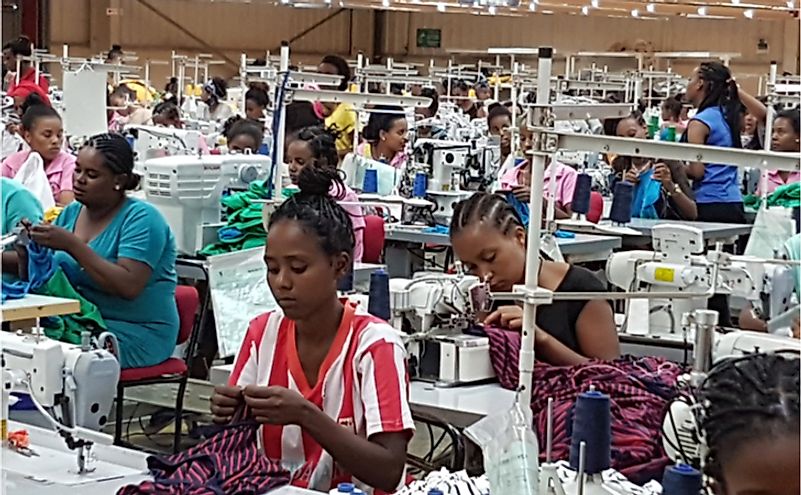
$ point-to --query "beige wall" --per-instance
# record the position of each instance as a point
(236, 27)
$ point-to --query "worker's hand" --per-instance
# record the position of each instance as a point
(224, 403)
(631, 176)
(53, 237)
(797, 328)
(663, 175)
(523, 193)
(277, 405)
(510, 317)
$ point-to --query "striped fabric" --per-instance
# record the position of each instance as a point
(362, 384)
(640, 390)
(228, 463)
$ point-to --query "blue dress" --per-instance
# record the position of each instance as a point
(720, 184)
(147, 326)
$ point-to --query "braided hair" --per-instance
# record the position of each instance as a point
(485, 207)
(746, 399)
(317, 211)
(322, 143)
(35, 108)
(117, 156)
(722, 92)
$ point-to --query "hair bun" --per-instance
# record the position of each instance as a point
(317, 181)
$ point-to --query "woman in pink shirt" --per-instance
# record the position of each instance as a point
(518, 180)
(317, 147)
(785, 139)
(43, 131)
(386, 136)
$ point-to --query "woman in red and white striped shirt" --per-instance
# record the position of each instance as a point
(327, 380)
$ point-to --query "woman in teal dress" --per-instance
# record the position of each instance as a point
(118, 252)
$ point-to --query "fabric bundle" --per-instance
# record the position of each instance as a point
(646, 194)
(227, 463)
(244, 227)
(787, 196)
(448, 483)
(640, 390)
(40, 268)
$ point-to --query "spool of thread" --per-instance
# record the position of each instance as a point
(420, 185)
(370, 185)
(345, 283)
(581, 195)
(435, 491)
(343, 488)
(378, 305)
(670, 135)
(621, 203)
(592, 424)
(681, 479)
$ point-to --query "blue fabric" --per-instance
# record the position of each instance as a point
(146, 326)
(229, 233)
(520, 207)
(646, 195)
(561, 234)
(437, 229)
(719, 184)
(40, 268)
(18, 203)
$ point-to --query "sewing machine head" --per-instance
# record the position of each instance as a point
(154, 141)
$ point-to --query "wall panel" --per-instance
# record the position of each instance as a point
(69, 22)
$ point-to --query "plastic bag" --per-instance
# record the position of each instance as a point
(510, 450)
(772, 228)
(32, 175)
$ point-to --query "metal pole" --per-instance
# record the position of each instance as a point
(280, 105)
(763, 176)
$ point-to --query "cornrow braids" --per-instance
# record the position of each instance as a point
(318, 212)
(484, 207)
(754, 397)
(722, 92)
(322, 143)
(117, 155)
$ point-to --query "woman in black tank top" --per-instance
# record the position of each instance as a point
(489, 239)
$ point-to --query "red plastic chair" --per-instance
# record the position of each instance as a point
(596, 207)
(374, 238)
(173, 370)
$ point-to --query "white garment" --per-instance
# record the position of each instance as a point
(32, 175)
(12, 142)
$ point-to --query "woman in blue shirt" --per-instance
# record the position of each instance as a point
(713, 91)
(118, 252)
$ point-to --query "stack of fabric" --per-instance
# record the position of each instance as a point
(244, 228)
(787, 196)
(640, 390)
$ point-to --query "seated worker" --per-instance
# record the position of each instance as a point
(429, 131)
(668, 193)
(785, 139)
(18, 204)
(326, 379)
(671, 117)
(471, 108)
(167, 114)
(43, 131)
(340, 117)
(214, 92)
(242, 135)
(22, 47)
(256, 102)
(126, 109)
(316, 146)
(489, 239)
(499, 122)
(750, 421)
(385, 136)
(518, 180)
(299, 115)
(118, 252)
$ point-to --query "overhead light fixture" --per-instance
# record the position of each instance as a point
(385, 3)
(735, 2)
(702, 10)
(491, 10)
(651, 8)
(790, 4)
(440, 7)
(532, 6)
(585, 10)
(596, 4)
(749, 13)
(635, 13)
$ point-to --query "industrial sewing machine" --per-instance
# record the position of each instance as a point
(153, 142)
(676, 269)
(187, 190)
(72, 386)
(437, 312)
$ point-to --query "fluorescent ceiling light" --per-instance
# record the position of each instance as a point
(585, 10)
(702, 10)
(790, 4)
(491, 10)
(595, 4)
(532, 6)
(735, 2)
(385, 3)
(635, 13)
(650, 8)
(441, 7)
(749, 13)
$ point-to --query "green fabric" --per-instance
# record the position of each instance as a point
(68, 328)
(787, 196)
(244, 214)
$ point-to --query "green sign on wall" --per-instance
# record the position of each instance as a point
(429, 38)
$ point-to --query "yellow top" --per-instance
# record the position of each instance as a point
(343, 120)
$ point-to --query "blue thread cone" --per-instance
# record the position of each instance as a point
(681, 479)
(621, 203)
(592, 424)
(378, 304)
(420, 185)
(581, 195)
(370, 185)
